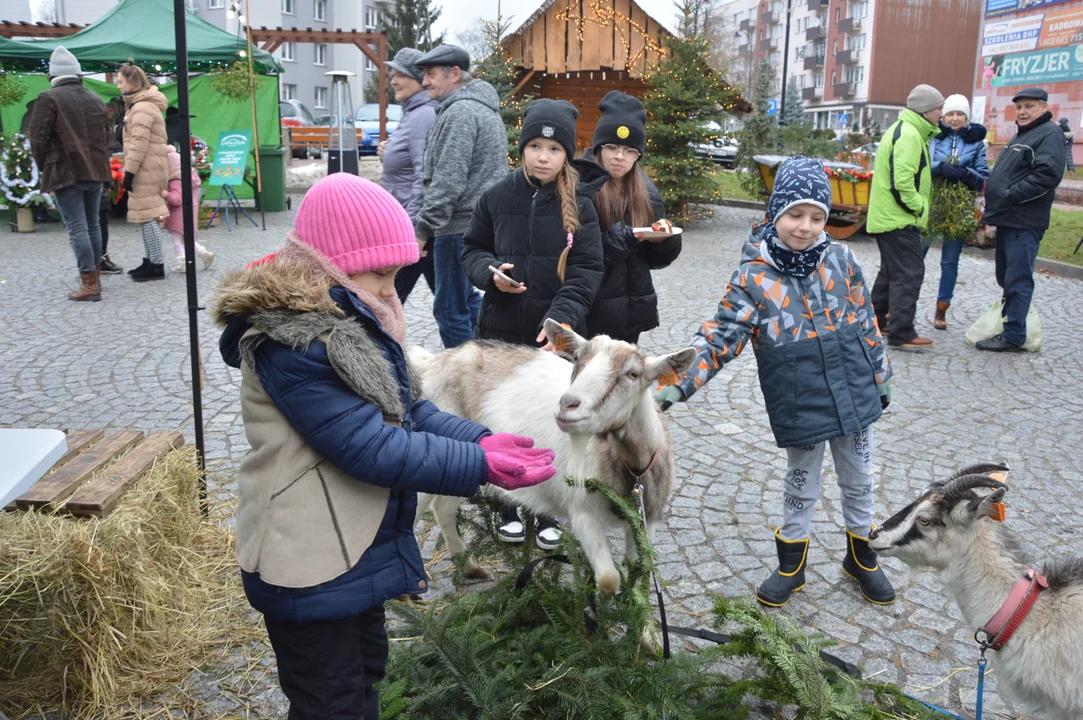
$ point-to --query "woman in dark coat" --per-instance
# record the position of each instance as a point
(626, 304)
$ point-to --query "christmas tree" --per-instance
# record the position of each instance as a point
(501, 70)
(759, 135)
(409, 23)
(685, 94)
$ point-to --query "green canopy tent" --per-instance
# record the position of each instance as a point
(140, 31)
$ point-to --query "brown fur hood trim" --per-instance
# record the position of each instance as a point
(278, 284)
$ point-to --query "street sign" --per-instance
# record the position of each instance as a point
(230, 157)
(844, 120)
(772, 106)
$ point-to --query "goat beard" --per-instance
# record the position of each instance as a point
(388, 312)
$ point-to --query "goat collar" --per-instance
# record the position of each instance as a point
(1000, 628)
(639, 475)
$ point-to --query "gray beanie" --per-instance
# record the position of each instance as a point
(924, 98)
(405, 62)
(62, 62)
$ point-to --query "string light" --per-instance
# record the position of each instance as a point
(606, 16)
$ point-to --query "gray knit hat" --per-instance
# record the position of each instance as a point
(62, 62)
(405, 62)
(924, 98)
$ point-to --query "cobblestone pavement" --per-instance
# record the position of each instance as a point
(124, 362)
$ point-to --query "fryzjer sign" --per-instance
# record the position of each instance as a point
(1011, 35)
(1040, 67)
(994, 8)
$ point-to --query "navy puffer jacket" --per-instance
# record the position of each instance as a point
(963, 147)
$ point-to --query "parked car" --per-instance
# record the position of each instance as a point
(721, 149)
(294, 113)
(368, 119)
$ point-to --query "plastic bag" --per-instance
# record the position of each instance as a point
(991, 324)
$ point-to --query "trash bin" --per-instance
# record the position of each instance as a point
(272, 164)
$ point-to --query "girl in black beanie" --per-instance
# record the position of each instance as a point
(626, 304)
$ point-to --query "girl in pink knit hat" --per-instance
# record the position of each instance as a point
(341, 443)
(174, 221)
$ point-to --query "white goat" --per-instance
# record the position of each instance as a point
(594, 409)
(951, 530)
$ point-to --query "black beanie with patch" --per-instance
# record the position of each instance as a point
(552, 120)
(623, 122)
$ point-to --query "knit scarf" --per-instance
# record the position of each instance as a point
(388, 311)
(798, 263)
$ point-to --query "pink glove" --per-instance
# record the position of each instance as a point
(515, 463)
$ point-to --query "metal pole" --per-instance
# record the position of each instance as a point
(255, 125)
(785, 63)
(180, 18)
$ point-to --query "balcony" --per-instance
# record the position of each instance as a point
(768, 44)
(816, 33)
(845, 57)
(812, 93)
(817, 5)
(814, 62)
(766, 18)
(744, 48)
(849, 25)
(746, 25)
(845, 90)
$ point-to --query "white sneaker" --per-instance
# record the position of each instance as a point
(549, 538)
(179, 267)
(207, 257)
(512, 533)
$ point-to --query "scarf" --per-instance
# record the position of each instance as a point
(388, 311)
(798, 263)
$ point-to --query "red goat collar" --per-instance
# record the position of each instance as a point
(1000, 628)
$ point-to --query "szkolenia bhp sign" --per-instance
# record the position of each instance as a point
(230, 157)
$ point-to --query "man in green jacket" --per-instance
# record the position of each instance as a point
(902, 190)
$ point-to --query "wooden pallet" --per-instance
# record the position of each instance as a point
(96, 470)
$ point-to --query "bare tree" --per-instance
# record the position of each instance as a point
(475, 40)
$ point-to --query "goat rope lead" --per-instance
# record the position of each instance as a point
(637, 492)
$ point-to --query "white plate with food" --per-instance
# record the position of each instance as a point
(659, 230)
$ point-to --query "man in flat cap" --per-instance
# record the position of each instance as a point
(466, 153)
(1018, 200)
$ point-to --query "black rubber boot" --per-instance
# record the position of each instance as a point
(152, 271)
(862, 565)
(790, 575)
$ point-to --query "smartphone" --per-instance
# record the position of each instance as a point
(506, 278)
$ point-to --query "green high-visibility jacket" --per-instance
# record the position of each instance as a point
(902, 185)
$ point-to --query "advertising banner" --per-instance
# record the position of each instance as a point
(994, 8)
(1010, 35)
(230, 157)
(1062, 27)
(1035, 68)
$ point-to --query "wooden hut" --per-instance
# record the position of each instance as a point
(578, 50)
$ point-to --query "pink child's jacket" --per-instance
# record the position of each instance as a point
(174, 222)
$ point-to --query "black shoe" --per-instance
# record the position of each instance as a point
(153, 271)
(862, 565)
(511, 530)
(790, 575)
(999, 343)
(549, 534)
(108, 267)
(142, 267)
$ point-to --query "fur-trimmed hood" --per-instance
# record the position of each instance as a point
(972, 133)
(278, 284)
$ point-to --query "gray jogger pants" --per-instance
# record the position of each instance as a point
(853, 463)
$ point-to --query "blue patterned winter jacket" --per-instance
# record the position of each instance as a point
(819, 352)
(966, 146)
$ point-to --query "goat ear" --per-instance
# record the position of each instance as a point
(989, 504)
(565, 340)
(667, 369)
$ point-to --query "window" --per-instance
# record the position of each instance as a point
(801, 80)
(286, 52)
(834, 77)
(838, 13)
(855, 74)
(287, 91)
(288, 6)
(820, 48)
(372, 18)
(738, 17)
(321, 98)
(818, 79)
(216, 4)
(319, 10)
(776, 31)
(859, 10)
(835, 47)
(320, 55)
(776, 7)
(369, 66)
(775, 59)
(191, 5)
(832, 118)
(855, 42)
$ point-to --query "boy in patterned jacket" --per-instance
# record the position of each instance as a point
(803, 302)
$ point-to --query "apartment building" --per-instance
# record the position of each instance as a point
(855, 61)
(305, 63)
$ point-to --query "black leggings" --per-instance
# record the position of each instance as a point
(103, 221)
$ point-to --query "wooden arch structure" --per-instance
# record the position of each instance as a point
(578, 50)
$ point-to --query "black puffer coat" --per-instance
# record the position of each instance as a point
(627, 303)
(1024, 180)
(520, 223)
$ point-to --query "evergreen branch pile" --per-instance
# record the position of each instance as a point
(498, 654)
(952, 213)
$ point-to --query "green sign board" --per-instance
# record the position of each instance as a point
(1040, 67)
(230, 157)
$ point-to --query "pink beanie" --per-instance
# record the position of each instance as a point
(356, 224)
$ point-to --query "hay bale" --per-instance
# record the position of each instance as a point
(97, 614)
